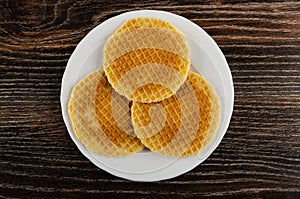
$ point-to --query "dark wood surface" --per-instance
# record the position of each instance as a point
(259, 156)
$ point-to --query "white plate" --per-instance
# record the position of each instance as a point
(207, 59)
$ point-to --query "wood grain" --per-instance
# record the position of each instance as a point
(259, 155)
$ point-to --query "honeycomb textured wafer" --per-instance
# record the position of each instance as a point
(100, 117)
(144, 23)
(146, 61)
(181, 125)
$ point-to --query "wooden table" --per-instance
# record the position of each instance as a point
(259, 156)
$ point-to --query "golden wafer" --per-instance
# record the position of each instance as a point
(146, 61)
(181, 125)
(100, 117)
(144, 23)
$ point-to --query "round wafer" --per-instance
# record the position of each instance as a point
(146, 60)
(100, 117)
(181, 125)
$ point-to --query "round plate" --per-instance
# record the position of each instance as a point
(207, 59)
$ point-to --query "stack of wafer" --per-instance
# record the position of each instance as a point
(145, 96)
